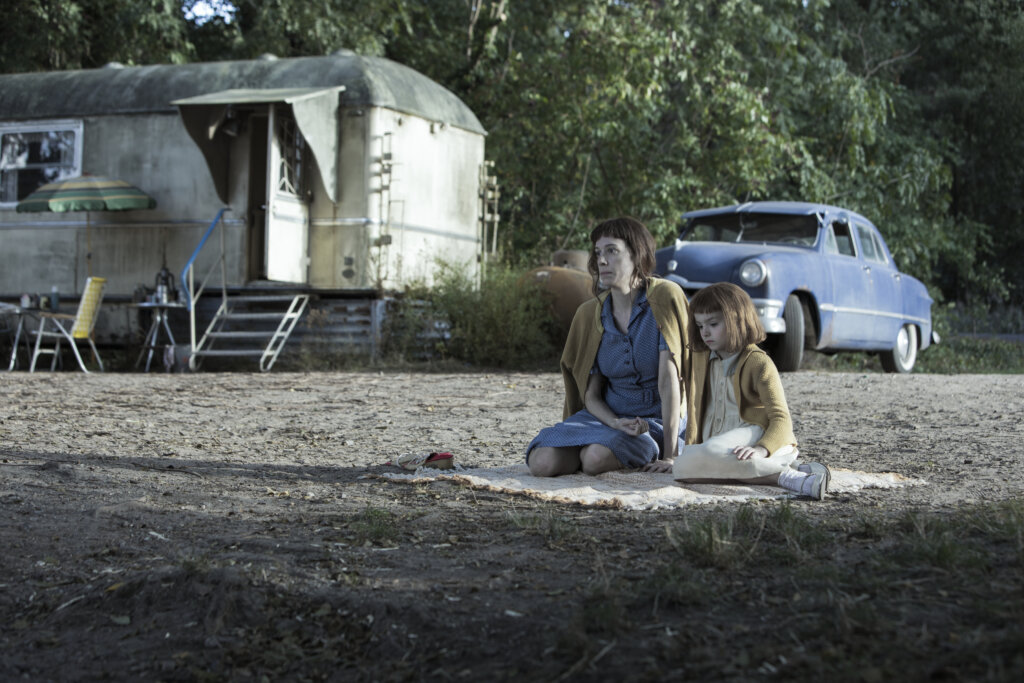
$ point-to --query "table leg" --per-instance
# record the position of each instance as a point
(149, 342)
(167, 328)
(19, 332)
(14, 347)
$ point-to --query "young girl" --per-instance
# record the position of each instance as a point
(739, 429)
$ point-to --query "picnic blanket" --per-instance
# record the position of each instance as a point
(632, 490)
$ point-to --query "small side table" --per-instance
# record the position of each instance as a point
(160, 312)
(19, 331)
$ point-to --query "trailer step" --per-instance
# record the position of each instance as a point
(228, 352)
(240, 334)
(240, 342)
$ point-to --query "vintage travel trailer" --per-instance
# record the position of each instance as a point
(339, 178)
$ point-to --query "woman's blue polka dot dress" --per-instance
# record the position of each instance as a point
(629, 362)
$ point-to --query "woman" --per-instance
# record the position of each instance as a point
(623, 364)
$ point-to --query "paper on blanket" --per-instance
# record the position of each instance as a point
(634, 490)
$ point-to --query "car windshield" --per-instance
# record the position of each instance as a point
(753, 227)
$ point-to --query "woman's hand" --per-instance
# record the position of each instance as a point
(634, 426)
(748, 452)
(660, 466)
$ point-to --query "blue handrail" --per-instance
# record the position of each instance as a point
(199, 247)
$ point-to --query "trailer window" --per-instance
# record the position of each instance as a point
(293, 150)
(32, 155)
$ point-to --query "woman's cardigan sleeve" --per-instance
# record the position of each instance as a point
(672, 313)
(579, 353)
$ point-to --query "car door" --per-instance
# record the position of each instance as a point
(852, 290)
(886, 300)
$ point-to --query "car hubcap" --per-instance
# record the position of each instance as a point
(903, 344)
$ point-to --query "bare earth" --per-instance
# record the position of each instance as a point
(223, 526)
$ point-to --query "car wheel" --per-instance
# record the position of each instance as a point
(903, 354)
(789, 351)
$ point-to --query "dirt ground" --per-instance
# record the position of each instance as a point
(223, 526)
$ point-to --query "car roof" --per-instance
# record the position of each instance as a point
(793, 208)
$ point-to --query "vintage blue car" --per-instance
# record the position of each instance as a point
(821, 277)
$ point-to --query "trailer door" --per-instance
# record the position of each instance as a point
(287, 215)
(301, 134)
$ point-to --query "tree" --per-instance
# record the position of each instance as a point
(969, 86)
(75, 34)
(853, 130)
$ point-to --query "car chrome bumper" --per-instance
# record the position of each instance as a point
(769, 310)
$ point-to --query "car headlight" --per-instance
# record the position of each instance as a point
(753, 273)
(672, 265)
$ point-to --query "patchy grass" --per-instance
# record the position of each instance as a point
(552, 527)
(954, 355)
(375, 526)
(973, 355)
(975, 340)
(769, 590)
(734, 540)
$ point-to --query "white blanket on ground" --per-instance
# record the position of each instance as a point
(632, 490)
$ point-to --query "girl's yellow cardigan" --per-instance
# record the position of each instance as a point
(758, 391)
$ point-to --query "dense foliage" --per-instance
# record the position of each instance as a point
(908, 110)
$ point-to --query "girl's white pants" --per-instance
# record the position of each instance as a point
(714, 458)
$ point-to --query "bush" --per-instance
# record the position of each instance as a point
(411, 330)
(505, 323)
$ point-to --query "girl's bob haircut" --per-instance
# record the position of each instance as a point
(742, 324)
(638, 240)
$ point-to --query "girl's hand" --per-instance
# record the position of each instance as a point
(658, 466)
(748, 452)
(634, 426)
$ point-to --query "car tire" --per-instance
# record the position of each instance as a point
(788, 351)
(902, 356)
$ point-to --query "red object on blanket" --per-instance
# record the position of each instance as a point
(413, 461)
(442, 460)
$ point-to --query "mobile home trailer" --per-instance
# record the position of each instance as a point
(342, 177)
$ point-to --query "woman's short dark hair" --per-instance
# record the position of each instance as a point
(638, 240)
(742, 324)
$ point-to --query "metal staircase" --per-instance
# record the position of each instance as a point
(249, 325)
(245, 324)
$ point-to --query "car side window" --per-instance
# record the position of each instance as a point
(878, 247)
(839, 240)
(830, 242)
(869, 245)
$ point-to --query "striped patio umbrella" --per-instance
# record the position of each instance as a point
(86, 193)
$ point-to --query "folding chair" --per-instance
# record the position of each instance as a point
(81, 325)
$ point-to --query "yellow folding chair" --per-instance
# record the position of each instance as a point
(81, 326)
